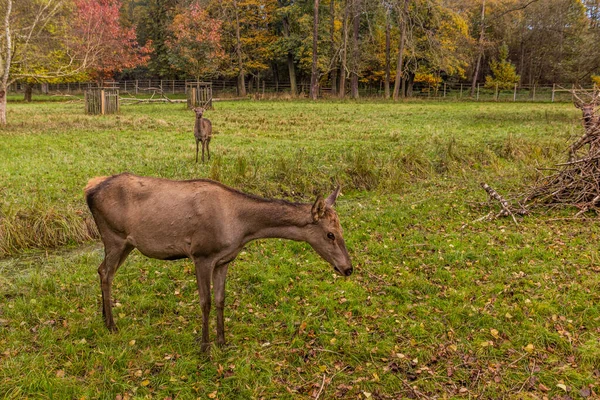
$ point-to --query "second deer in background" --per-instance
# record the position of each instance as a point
(202, 132)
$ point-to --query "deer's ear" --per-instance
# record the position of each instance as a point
(330, 201)
(318, 209)
(577, 104)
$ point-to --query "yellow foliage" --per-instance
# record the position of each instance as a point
(429, 78)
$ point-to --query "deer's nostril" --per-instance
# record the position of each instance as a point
(348, 272)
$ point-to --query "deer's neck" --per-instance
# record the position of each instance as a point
(199, 124)
(273, 219)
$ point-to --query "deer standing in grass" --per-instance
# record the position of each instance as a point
(591, 122)
(202, 132)
(205, 221)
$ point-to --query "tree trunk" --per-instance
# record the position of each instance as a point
(290, 59)
(410, 84)
(522, 64)
(5, 63)
(238, 49)
(403, 88)
(480, 49)
(399, 73)
(342, 92)
(334, 69)
(2, 107)
(28, 92)
(355, 51)
(387, 59)
(314, 76)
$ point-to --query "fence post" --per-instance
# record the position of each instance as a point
(136, 86)
(461, 87)
(444, 89)
(102, 103)
(477, 98)
(533, 98)
(553, 87)
(496, 94)
(515, 93)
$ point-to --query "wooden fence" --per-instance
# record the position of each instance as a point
(102, 101)
(199, 94)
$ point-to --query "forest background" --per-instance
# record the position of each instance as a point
(340, 44)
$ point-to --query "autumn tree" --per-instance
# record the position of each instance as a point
(98, 31)
(152, 20)
(196, 42)
(403, 16)
(35, 44)
(248, 38)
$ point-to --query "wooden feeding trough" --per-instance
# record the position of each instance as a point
(199, 94)
(102, 101)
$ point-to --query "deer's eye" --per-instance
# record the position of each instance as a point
(331, 236)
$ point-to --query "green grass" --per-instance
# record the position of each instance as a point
(434, 309)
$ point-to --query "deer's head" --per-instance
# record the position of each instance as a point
(588, 109)
(199, 112)
(325, 234)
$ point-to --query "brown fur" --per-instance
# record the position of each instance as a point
(202, 132)
(205, 221)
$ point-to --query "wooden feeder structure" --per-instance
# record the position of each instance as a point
(100, 101)
(199, 94)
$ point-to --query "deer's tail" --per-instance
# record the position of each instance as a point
(92, 183)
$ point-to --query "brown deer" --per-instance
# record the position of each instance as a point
(591, 122)
(205, 221)
(202, 132)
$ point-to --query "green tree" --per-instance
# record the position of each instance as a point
(504, 74)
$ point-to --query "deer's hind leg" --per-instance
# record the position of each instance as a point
(198, 149)
(115, 252)
(207, 148)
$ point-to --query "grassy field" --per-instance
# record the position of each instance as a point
(435, 309)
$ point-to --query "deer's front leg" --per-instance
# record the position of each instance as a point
(203, 272)
(219, 275)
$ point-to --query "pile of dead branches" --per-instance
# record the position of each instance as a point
(573, 183)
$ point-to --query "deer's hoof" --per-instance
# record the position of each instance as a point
(205, 348)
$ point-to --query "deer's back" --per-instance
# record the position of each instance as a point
(164, 218)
